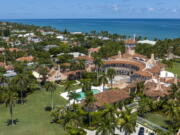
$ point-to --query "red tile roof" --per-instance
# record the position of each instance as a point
(2, 64)
(152, 91)
(111, 96)
(143, 73)
(13, 49)
(88, 58)
(29, 58)
(93, 50)
(73, 72)
(156, 69)
(130, 41)
(66, 64)
(130, 62)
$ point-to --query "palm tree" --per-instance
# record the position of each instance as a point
(51, 86)
(68, 118)
(172, 110)
(10, 101)
(103, 80)
(111, 74)
(86, 84)
(3, 80)
(44, 72)
(21, 82)
(68, 85)
(106, 127)
(140, 89)
(98, 63)
(175, 92)
(108, 121)
(128, 121)
(144, 105)
(73, 96)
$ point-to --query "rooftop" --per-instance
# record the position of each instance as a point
(111, 96)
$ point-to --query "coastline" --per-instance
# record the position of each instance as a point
(167, 28)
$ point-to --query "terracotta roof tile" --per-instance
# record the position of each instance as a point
(29, 58)
(85, 58)
(92, 50)
(152, 91)
(130, 41)
(143, 73)
(123, 61)
(155, 69)
(13, 49)
(110, 96)
(2, 64)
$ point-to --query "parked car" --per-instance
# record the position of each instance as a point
(141, 131)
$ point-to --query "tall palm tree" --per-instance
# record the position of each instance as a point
(140, 89)
(128, 121)
(51, 86)
(3, 80)
(10, 101)
(73, 96)
(108, 121)
(86, 84)
(98, 64)
(68, 118)
(68, 85)
(106, 127)
(144, 105)
(21, 82)
(111, 74)
(103, 80)
(172, 109)
(175, 92)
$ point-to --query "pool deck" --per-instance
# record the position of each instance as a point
(65, 94)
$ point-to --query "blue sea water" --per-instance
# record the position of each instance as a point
(151, 28)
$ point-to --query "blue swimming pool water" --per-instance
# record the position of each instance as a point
(82, 94)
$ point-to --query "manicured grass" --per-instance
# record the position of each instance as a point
(157, 118)
(33, 119)
(175, 69)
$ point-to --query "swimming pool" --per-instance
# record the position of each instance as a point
(82, 94)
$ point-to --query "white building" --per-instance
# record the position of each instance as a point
(60, 37)
(147, 42)
(166, 74)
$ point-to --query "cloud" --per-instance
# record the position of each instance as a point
(115, 7)
(151, 9)
(174, 10)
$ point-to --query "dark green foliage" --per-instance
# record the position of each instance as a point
(111, 48)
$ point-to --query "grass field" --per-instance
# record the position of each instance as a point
(157, 118)
(33, 119)
(175, 69)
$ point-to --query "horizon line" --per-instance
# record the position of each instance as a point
(83, 18)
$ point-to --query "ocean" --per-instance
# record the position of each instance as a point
(151, 28)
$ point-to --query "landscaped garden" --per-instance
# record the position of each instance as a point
(32, 117)
(157, 118)
(175, 68)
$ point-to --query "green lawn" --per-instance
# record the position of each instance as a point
(33, 120)
(175, 69)
(157, 118)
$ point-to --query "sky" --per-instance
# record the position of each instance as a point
(39, 9)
